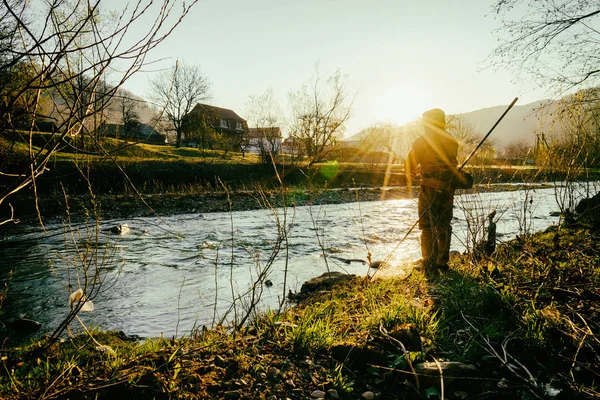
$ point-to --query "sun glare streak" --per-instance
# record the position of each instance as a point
(401, 104)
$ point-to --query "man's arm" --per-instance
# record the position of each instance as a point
(410, 166)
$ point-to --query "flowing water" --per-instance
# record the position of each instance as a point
(171, 274)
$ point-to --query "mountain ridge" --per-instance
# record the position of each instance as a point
(520, 123)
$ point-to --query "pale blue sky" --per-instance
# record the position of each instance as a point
(400, 57)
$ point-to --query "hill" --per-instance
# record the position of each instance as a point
(520, 123)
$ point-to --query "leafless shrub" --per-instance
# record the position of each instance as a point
(75, 62)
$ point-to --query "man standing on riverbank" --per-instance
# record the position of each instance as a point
(434, 153)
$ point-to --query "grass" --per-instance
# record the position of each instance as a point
(527, 317)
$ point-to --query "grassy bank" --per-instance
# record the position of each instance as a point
(522, 324)
(143, 179)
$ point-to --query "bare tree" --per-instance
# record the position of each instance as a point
(126, 106)
(557, 42)
(384, 138)
(320, 109)
(518, 150)
(464, 132)
(74, 50)
(178, 91)
(266, 115)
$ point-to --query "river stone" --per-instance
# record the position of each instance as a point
(589, 208)
(408, 334)
(273, 373)
(429, 374)
(332, 393)
(449, 368)
(232, 395)
(121, 229)
(317, 394)
(379, 263)
(324, 282)
(368, 395)
(358, 358)
(23, 326)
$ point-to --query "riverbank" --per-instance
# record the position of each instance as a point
(521, 324)
(54, 208)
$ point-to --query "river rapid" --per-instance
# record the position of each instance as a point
(169, 275)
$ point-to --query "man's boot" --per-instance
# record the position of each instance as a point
(428, 246)
(443, 247)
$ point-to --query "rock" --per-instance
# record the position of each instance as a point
(324, 282)
(220, 361)
(368, 395)
(408, 334)
(429, 374)
(378, 264)
(23, 326)
(121, 229)
(359, 358)
(589, 209)
(317, 394)
(232, 395)
(449, 368)
(273, 373)
(333, 394)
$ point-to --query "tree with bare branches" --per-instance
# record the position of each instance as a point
(179, 91)
(518, 150)
(267, 117)
(69, 58)
(556, 42)
(126, 106)
(320, 110)
(464, 132)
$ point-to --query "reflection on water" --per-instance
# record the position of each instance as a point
(168, 269)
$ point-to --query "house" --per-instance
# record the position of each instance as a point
(41, 124)
(264, 140)
(148, 134)
(293, 145)
(203, 118)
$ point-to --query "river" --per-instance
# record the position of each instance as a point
(168, 275)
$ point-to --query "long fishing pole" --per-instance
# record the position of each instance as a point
(488, 134)
(459, 168)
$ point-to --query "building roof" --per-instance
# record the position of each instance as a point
(223, 113)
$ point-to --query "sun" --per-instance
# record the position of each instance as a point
(401, 104)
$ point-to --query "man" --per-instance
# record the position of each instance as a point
(434, 153)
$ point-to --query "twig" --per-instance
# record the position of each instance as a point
(439, 367)
(504, 359)
(405, 353)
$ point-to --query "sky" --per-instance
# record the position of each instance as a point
(399, 57)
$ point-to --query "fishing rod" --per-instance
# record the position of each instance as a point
(459, 169)
(488, 134)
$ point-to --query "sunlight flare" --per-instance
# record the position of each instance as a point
(401, 104)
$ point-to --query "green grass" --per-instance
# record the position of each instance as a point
(526, 303)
